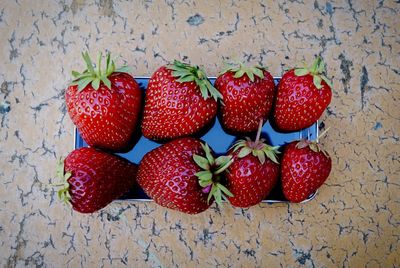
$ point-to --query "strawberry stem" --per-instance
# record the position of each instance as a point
(260, 124)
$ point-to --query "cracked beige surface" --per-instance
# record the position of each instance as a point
(355, 219)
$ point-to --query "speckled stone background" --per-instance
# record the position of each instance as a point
(353, 222)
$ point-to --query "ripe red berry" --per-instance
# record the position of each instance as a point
(92, 179)
(304, 168)
(303, 95)
(248, 94)
(253, 173)
(180, 101)
(104, 105)
(183, 175)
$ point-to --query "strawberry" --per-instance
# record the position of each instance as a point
(104, 104)
(304, 168)
(180, 101)
(254, 171)
(183, 175)
(248, 94)
(303, 95)
(91, 179)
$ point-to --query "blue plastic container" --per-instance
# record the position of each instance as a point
(218, 140)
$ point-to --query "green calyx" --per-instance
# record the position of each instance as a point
(257, 148)
(240, 69)
(313, 145)
(187, 73)
(317, 70)
(210, 176)
(63, 192)
(95, 75)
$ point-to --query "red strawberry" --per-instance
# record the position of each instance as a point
(304, 168)
(92, 179)
(248, 94)
(253, 173)
(178, 102)
(175, 173)
(303, 95)
(104, 105)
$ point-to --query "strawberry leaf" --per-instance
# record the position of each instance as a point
(209, 156)
(75, 74)
(317, 70)
(211, 193)
(314, 147)
(244, 152)
(106, 82)
(260, 156)
(187, 73)
(83, 75)
(237, 145)
(315, 65)
(67, 175)
(203, 89)
(317, 81)
(239, 69)
(223, 167)
(204, 183)
(63, 193)
(96, 83)
(257, 71)
(222, 160)
(95, 77)
(179, 72)
(224, 190)
(60, 168)
(99, 62)
(180, 64)
(250, 75)
(229, 67)
(301, 72)
(201, 173)
(327, 81)
(239, 73)
(84, 82)
(201, 162)
(321, 67)
(271, 155)
(123, 69)
(88, 62)
(109, 69)
(187, 78)
(213, 91)
(218, 196)
(60, 194)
